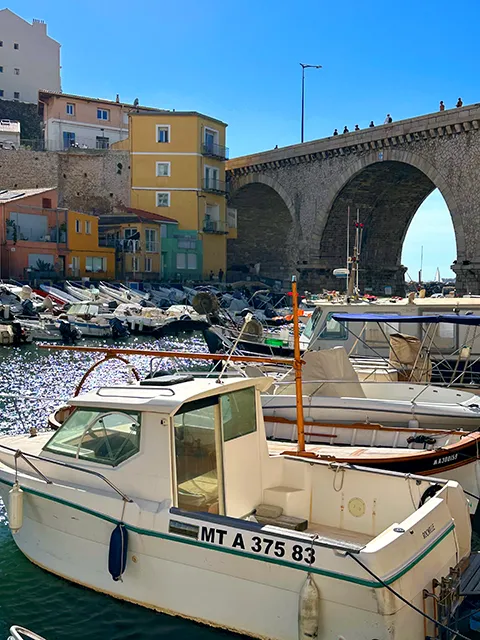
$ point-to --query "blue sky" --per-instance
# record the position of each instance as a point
(240, 62)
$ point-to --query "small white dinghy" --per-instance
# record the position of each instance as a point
(21, 633)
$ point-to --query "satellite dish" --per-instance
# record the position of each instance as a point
(340, 273)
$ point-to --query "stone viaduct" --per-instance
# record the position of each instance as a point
(292, 202)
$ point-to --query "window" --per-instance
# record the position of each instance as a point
(196, 457)
(88, 226)
(1, 93)
(131, 232)
(191, 261)
(210, 139)
(181, 260)
(105, 437)
(1, 69)
(163, 231)
(46, 203)
(102, 142)
(211, 178)
(16, 72)
(75, 265)
(163, 199)
(1, 43)
(135, 264)
(150, 240)
(238, 413)
(103, 114)
(16, 45)
(16, 95)
(148, 265)
(163, 168)
(70, 109)
(312, 323)
(163, 133)
(78, 226)
(333, 330)
(68, 139)
(187, 243)
(95, 265)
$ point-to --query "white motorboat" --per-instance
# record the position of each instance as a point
(169, 485)
(334, 394)
(58, 294)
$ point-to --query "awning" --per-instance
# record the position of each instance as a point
(372, 317)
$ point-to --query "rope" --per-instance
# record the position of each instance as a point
(405, 601)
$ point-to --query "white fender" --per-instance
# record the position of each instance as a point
(15, 508)
(308, 610)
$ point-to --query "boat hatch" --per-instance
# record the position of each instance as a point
(166, 380)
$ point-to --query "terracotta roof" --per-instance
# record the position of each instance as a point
(148, 215)
(72, 96)
(8, 195)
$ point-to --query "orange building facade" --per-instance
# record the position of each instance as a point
(38, 240)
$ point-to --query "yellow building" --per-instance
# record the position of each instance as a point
(135, 236)
(86, 258)
(178, 170)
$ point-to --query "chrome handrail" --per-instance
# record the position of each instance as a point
(21, 633)
(18, 453)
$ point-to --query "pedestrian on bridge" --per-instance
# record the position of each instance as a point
(335, 133)
(357, 128)
(388, 119)
(371, 124)
(442, 106)
(346, 129)
(459, 102)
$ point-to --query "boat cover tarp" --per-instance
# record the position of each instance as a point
(373, 317)
(407, 356)
(327, 364)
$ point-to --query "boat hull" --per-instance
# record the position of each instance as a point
(218, 586)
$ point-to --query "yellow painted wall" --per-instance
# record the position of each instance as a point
(82, 244)
(214, 253)
(141, 227)
(188, 200)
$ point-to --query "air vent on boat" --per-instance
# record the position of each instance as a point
(166, 381)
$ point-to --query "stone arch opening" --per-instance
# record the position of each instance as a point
(387, 194)
(265, 233)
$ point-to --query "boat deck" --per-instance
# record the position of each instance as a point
(277, 447)
(340, 538)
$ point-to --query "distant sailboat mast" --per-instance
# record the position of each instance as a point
(437, 275)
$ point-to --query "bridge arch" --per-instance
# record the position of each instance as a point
(267, 228)
(388, 187)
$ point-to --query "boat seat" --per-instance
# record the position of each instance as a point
(273, 515)
(199, 493)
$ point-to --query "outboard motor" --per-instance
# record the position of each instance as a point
(68, 332)
(28, 308)
(119, 329)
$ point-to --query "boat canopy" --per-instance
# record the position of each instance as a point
(373, 317)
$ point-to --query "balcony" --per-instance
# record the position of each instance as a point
(125, 245)
(214, 151)
(212, 185)
(214, 226)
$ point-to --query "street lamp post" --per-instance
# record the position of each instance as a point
(305, 66)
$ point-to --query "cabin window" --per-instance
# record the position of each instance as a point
(238, 413)
(333, 330)
(105, 437)
(196, 456)
(312, 323)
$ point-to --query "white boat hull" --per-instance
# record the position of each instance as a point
(215, 586)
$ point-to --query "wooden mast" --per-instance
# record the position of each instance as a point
(297, 365)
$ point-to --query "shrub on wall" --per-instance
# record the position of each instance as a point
(26, 114)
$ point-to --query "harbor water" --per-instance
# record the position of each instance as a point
(29, 596)
(33, 381)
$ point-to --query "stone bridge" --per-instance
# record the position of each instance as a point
(292, 202)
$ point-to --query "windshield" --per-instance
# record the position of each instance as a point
(312, 323)
(107, 437)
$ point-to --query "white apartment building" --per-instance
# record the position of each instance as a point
(29, 58)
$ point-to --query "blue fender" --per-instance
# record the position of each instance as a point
(117, 552)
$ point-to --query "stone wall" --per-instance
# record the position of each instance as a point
(385, 172)
(88, 181)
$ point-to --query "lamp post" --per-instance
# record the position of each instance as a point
(305, 66)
